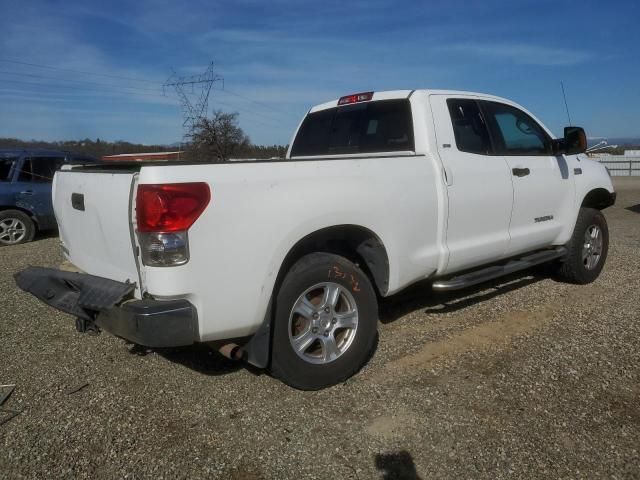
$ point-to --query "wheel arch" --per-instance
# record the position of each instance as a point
(598, 198)
(29, 213)
(354, 242)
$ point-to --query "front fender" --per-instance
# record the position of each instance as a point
(593, 176)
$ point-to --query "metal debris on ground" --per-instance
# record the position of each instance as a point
(5, 392)
(77, 388)
(5, 414)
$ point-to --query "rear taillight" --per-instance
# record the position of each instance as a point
(164, 214)
(170, 207)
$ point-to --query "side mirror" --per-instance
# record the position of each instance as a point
(575, 141)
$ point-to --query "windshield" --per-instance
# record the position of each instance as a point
(5, 167)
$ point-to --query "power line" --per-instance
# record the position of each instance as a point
(120, 77)
(85, 91)
(251, 115)
(32, 75)
(199, 107)
(264, 105)
(76, 87)
(51, 67)
(266, 116)
(138, 113)
(100, 93)
(71, 97)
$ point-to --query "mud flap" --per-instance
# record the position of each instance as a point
(78, 294)
(258, 348)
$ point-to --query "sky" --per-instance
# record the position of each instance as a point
(77, 69)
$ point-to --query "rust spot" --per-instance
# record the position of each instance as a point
(335, 272)
(355, 286)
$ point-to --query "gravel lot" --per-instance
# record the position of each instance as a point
(525, 377)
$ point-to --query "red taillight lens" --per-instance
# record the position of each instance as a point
(170, 207)
(355, 98)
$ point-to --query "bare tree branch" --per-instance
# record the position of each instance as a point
(218, 138)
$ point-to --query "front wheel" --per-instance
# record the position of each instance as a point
(588, 248)
(325, 322)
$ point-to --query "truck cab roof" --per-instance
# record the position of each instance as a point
(399, 94)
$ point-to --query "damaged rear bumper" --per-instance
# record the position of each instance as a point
(110, 305)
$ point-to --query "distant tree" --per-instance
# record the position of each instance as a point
(218, 138)
(100, 147)
(86, 146)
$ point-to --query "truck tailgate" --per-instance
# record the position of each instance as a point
(93, 209)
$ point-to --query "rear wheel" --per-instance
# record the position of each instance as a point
(588, 248)
(15, 227)
(325, 322)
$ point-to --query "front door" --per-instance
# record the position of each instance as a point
(543, 189)
(479, 187)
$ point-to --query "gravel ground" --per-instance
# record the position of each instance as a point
(525, 377)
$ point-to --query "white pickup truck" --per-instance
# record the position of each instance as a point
(282, 262)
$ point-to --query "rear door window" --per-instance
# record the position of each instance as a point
(6, 164)
(469, 127)
(40, 169)
(381, 126)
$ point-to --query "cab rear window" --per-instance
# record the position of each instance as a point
(382, 126)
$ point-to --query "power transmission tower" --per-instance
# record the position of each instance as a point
(193, 92)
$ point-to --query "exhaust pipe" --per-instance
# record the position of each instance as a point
(231, 351)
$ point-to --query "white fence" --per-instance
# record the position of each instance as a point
(621, 166)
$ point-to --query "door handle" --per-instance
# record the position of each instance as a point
(26, 192)
(521, 172)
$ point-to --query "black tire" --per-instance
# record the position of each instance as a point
(319, 272)
(17, 235)
(575, 269)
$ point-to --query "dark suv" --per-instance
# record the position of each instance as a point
(25, 191)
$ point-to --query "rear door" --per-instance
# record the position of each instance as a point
(479, 187)
(94, 213)
(543, 188)
(34, 187)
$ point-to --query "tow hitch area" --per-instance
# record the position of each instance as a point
(79, 294)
